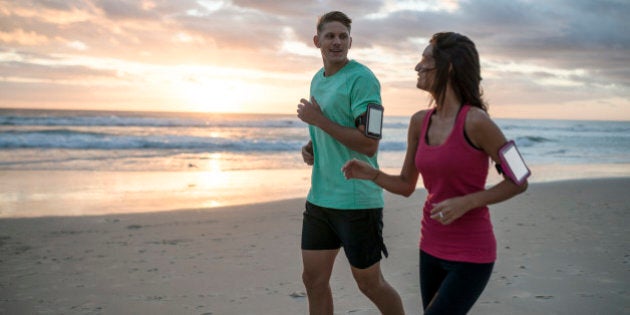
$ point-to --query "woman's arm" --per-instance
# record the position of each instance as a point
(403, 184)
(485, 134)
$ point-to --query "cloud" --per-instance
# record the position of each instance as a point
(127, 10)
(571, 44)
(52, 73)
(20, 37)
(310, 10)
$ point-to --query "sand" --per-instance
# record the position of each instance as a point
(564, 248)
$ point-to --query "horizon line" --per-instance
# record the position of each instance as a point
(259, 113)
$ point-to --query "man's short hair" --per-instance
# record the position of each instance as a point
(334, 16)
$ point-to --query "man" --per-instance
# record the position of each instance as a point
(341, 212)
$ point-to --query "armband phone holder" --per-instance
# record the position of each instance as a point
(512, 163)
(374, 121)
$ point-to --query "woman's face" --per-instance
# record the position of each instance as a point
(425, 69)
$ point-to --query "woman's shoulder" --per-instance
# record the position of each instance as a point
(420, 115)
(477, 117)
(480, 127)
(417, 119)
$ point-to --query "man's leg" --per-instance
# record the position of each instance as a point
(318, 266)
(372, 283)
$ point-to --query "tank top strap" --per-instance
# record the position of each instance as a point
(461, 120)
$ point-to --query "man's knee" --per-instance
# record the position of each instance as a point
(367, 286)
(318, 267)
(314, 280)
(369, 279)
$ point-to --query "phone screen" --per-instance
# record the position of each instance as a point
(374, 124)
(514, 162)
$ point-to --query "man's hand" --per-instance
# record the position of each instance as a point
(351, 137)
(307, 153)
(309, 112)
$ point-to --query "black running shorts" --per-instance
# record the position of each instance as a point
(358, 231)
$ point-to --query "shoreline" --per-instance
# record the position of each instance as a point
(41, 193)
(562, 249)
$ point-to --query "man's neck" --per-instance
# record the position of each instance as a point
(332, 68)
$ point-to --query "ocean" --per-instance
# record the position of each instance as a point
(245, 150)
(139, 141)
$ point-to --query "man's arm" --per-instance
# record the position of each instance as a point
(353, 138)
(307, 153)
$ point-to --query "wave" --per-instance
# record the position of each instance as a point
(564, 126)
(529, 141)
(244, 121)
(69, 139)
(86, 140)
(392, 146)
(120, 121)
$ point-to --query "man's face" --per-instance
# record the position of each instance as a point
(334, 41)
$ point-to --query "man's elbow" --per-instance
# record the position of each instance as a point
(371, 149)
(370, 153)
(367, 151)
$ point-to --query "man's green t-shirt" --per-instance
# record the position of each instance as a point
(342, 97)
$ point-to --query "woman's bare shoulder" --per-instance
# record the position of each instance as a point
(478, 118)
(419, 116)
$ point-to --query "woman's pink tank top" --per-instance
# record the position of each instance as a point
(453, 169)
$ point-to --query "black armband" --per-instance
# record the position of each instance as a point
(499, 168)
(361, 120)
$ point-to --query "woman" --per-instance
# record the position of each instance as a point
(450, 145)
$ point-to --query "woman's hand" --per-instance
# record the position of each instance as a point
(449, 210)
(359, 170)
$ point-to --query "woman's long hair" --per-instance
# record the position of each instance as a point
(457, 60)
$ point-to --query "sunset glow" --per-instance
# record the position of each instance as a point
(548, 61)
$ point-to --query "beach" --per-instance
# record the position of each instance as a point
(178, 213)
(562, 249)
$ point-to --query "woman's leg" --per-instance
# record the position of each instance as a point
(431, 276)
(460, 288)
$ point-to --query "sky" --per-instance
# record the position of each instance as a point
(556, 59)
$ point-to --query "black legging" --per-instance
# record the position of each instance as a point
(451, 287)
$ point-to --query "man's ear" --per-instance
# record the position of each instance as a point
(316, 41)
(350, 44)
